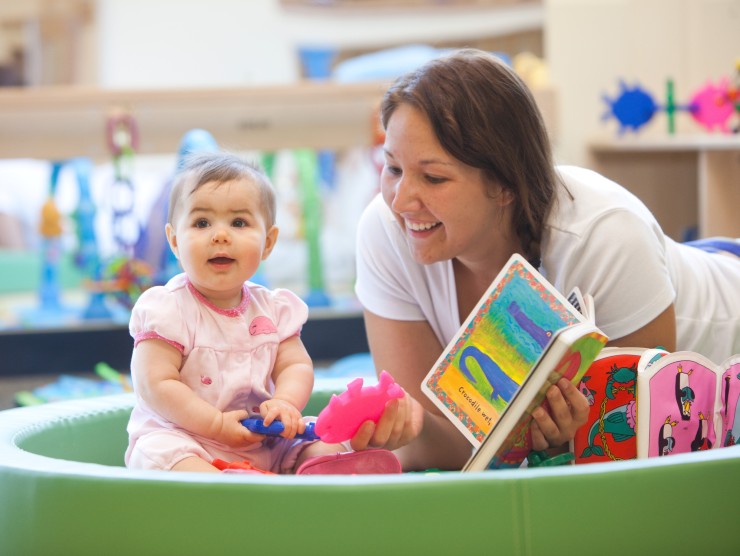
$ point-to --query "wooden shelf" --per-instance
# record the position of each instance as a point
(63, 122)
(685, 180)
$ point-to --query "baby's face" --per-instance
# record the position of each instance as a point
(220, 236)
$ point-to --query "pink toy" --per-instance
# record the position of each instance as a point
(712, 106)
(344, 414)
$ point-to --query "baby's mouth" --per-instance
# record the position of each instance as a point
(220, 260)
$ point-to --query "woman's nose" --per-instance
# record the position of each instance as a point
(404, 195)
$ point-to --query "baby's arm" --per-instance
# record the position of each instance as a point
(156, 369)
(293, 378)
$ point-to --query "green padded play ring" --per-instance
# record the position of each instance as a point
(63, 490)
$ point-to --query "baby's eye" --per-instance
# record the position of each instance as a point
(239, 223)
(201, 223)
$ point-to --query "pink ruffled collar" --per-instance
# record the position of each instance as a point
(233, 312)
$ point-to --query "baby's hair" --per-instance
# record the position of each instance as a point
(199, 169)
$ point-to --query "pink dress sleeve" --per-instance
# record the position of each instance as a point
(158, 314)
(290, 313)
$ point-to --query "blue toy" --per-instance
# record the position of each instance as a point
(276, 428)
(87, 256)
(711, 106)
(51, 310)
(632, 108)
(123, 140)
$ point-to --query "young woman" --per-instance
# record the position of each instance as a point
(469, 180)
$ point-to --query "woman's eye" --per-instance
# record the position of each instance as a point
(393, 170)
(435, 179)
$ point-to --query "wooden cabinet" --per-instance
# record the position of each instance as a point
(688, 181)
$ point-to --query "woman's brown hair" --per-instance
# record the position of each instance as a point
(485, 116)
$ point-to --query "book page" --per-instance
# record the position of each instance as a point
(729, 398)
(610, 386)
(496, 348)
(583, 303)
(677, 405)
(569, 356)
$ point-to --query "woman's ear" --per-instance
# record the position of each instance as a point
(507, 197)
(171, 238)
(270, 241)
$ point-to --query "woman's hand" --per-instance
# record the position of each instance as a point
(400, 423)
(568, 412)
(286, 413)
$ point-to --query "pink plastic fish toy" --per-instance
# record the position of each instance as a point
(344, 414)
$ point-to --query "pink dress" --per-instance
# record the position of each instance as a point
(228, 356)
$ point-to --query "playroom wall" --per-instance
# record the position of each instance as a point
(590, 45)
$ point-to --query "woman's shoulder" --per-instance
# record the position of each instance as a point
(376, 216)
(378, 233)
(588, 197)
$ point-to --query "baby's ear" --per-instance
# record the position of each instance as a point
(171, 238)
(270, 241)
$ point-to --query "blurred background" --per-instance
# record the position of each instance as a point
(100, 98)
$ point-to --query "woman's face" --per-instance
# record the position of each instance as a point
(445, 207)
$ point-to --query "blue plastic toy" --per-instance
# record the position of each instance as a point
(276, 428)
(711, 106)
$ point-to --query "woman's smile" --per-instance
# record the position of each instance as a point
(418, 228)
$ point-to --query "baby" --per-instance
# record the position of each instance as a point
(211, 348)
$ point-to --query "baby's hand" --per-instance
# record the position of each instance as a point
(231, 432)
(286, 413)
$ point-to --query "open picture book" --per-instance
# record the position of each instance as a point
(651, 402)
(522, 337)
(686, 403)
(610, 386)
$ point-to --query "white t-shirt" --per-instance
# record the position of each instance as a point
(604, 240)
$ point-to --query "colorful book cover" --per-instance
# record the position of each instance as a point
(501, 341)
(576, 349)
(610, 386)
(679, 405)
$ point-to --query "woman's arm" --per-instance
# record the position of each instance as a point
(421, 435)
(659, 332)
(155, 366)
